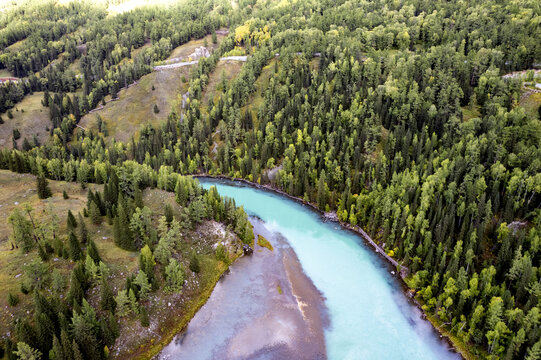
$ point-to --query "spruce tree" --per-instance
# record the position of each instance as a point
(92, 251)
(107, 299)
(43, 187)
(74, 247)
(94, 213)
(71, 222)
(143, 316)
(83, 231)
(168, 214)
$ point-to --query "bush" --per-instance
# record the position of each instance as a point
(16, 132)
(10, 114)
(13, 299)
(194, 264)
(65, 195)
(156, 110)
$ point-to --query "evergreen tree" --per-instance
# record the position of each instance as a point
(43, 187)
(92, 251)
(71, 222)
(22, 234)
(107, 300)
(74, 247)
(83, 231)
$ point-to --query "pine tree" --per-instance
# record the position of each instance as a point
(43, 187)
(174, 276)
(26, 352)
(168, 212)
(74, 247)
(83, 231)
(143, 316)
(107, 300)
(141, 280)
(92, 251)
(94, 213)
(57, 352)
(71, 222)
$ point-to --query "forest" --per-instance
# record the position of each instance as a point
(396, 116)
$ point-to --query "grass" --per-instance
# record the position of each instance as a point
(33, 121)
(16, 46)
(4, 73)
(225, 69)
(256, 100)
(135, 107)
(15, 191)
(469, 113)
(531, 103)
(261, 241)
(169, 313)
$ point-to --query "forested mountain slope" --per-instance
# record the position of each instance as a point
(393, 114)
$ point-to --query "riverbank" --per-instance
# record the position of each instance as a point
(277, 311)
(403, 271)
(172, 312)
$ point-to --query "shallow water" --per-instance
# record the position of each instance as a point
(369, 315)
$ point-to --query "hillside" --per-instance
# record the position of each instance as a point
(417, 121)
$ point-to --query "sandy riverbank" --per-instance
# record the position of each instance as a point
(266, 307)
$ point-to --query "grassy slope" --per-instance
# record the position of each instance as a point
(169, 313)
(34, 120)
(124, 117)
(135, 107)
(229, 69)
(469, 113)
(20, 188)
(5, 73)
(531, 103)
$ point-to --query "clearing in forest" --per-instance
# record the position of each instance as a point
(30, 117)
(135, 105)
(222, 76)
(182, 52)
(17, 190)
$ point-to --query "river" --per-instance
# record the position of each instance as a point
(322, 293)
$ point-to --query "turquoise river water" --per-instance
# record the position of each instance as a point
(369, 316)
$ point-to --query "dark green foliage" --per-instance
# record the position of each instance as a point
(75, 251)
(156, 110)
(71, 222)
(10, 116)
(194, 263)
(168, 213)
(107, 300)
(13, 299)
(92, 251)
(143, 316)
(83, 231)
(26, 145)
(65, 195)
(43, 255)
(43, 187)
(94, 213)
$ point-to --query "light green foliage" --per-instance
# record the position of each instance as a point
(174, 276)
